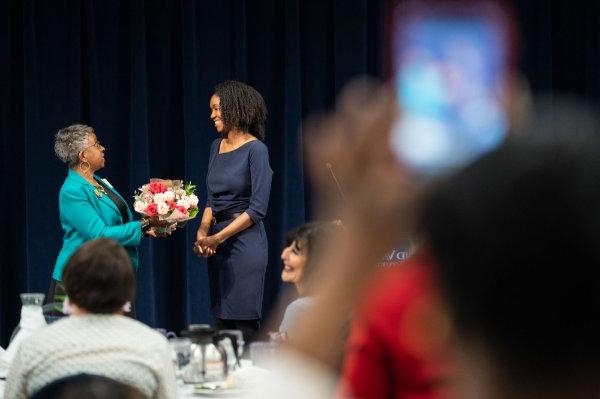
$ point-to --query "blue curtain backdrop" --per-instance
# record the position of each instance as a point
(141, 73)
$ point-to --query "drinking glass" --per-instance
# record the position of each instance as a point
(182, 351)
(262, 353)
(32, 299)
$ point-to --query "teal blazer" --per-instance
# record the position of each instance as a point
(84, 216)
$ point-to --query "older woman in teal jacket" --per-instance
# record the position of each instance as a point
(89, 206)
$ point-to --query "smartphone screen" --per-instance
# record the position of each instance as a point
(449, 76)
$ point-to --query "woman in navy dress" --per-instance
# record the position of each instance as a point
(231, 234)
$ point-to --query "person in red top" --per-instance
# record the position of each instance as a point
(398, 345)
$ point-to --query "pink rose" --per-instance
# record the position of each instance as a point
(151, 210)
(182, 210)
(156, 187)
(171, 204)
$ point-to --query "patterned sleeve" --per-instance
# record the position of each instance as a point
(16, 381)
(167, 387)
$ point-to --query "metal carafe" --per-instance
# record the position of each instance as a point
(208, 360)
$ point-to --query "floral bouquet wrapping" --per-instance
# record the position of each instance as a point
(166, 204)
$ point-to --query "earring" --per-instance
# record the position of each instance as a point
(82, 167)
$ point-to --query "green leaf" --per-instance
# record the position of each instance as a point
(193, 212)
(189, 188)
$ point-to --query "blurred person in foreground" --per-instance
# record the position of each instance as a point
(96, 339)
(515, 239)
(512, 245)
(398, 346)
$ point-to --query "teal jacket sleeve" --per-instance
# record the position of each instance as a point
(80, 212)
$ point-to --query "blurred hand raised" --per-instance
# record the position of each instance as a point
(355, 139)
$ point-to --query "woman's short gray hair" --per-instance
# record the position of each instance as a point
(70, 141)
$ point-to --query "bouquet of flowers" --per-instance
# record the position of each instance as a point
(166, 204)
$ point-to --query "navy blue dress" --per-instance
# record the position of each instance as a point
(239, 181)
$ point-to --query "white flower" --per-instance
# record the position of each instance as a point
(139, 206)
(162, 208)
(169, 195)
(179, 194)
(184, 203)
(147, 198)
(159, 198)
(193, 200)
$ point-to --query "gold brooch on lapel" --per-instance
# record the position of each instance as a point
(98, 193)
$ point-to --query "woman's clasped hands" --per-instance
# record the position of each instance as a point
(206, 246)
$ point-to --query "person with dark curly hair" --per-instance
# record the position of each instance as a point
(231, 234)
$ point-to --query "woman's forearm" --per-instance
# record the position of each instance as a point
(240, 223)
(205, 223)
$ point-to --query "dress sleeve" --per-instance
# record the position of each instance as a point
(260, 176)
(78, 210)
